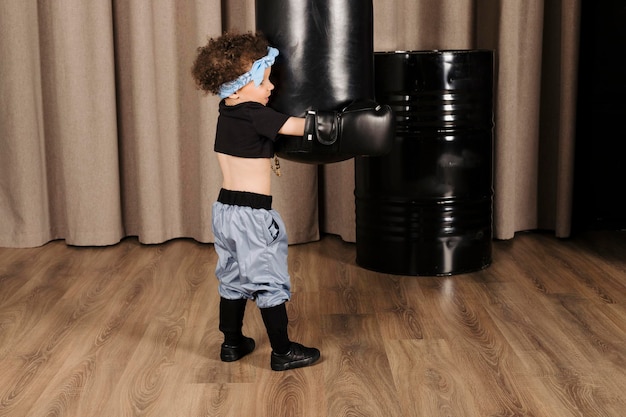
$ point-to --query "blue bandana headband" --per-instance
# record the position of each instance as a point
(255, 74)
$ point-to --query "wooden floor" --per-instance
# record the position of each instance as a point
(131, 330)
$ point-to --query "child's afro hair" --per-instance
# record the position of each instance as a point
(225, 58)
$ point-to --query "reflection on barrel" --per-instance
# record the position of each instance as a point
(426, 208)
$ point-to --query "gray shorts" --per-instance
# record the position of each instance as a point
(251, 244)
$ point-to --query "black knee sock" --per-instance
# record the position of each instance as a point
(231, 320)
(275, 320)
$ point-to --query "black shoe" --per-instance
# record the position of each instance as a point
(232, 353)
(297, 357)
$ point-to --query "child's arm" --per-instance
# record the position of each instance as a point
(294, 126)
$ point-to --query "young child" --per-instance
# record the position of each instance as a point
(250, 237)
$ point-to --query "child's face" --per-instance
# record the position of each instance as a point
(260, 93)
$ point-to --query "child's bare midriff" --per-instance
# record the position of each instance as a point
(246, 174)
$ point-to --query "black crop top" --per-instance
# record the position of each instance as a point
(248, 130)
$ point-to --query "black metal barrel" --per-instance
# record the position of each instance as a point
(426, 208)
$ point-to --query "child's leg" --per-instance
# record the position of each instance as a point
(235, 345)
(276, 321)
(257, 266)
(231, 319)
(285, 353)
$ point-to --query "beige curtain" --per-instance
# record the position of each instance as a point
(103, 134)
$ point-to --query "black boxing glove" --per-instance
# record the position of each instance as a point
(363, 128)
(367, 128)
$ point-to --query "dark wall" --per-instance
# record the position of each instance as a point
(600, 168)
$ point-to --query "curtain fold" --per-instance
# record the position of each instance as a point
(158, 128)
(562, 47)
(519, 51)
(103, 134)
(23, 190)
(60, 171)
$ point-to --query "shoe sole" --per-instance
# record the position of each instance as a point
(232, 356)
(295, 364)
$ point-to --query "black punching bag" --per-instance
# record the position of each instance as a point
(326, 61)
